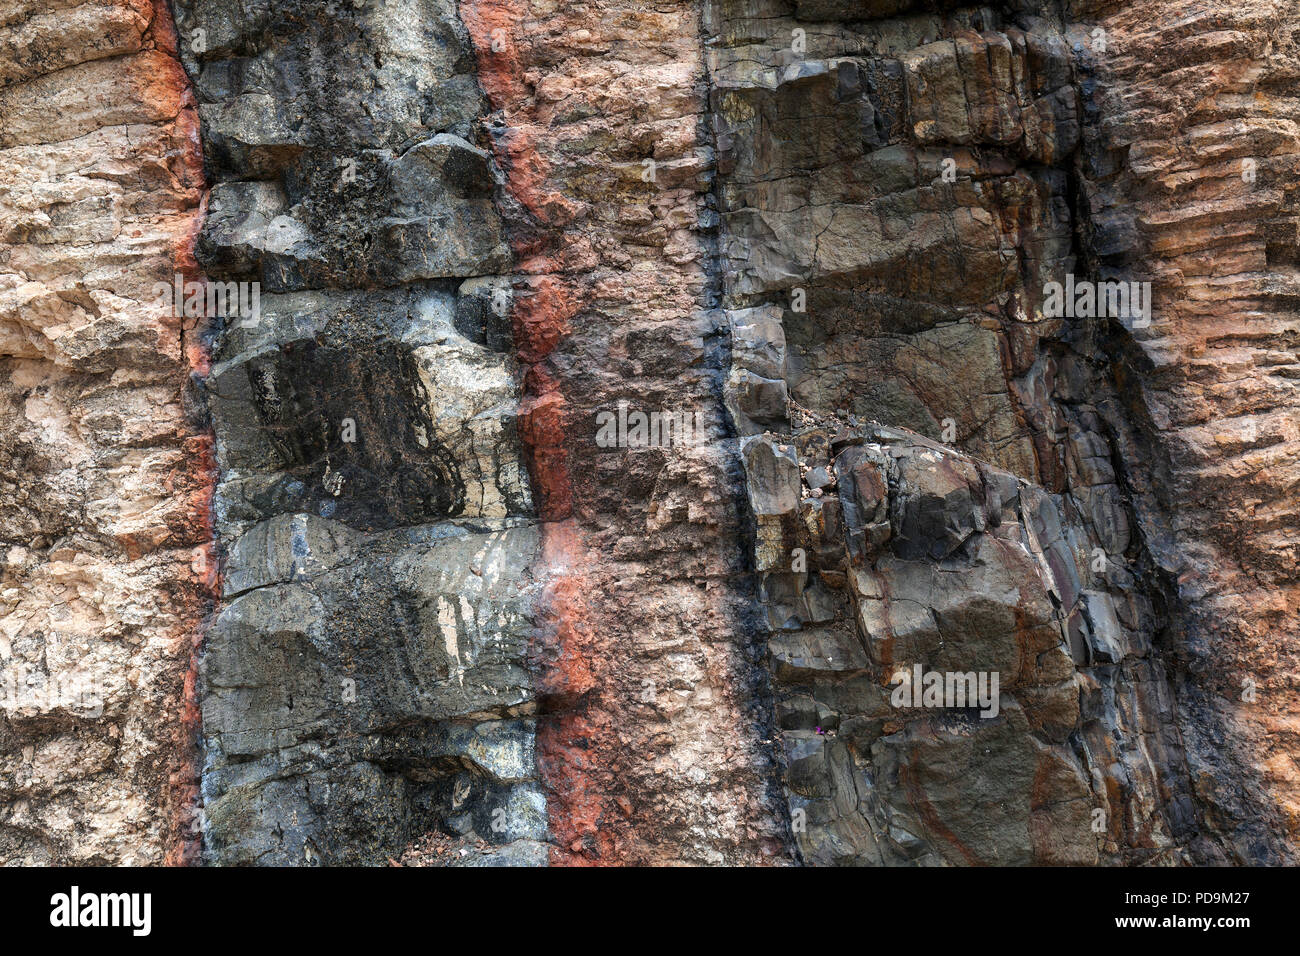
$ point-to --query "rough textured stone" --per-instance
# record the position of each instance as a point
(104, 466)
(895, 193)
(366, 681)
(799, 255)
(1189, 177)
(652, 742)
(973, 571)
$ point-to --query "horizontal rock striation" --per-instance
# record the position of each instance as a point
(105, 468)
(1188, 176)
(736, 432)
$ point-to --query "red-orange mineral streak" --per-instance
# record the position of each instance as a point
(567, 644)
(644, 744)
(194, 482)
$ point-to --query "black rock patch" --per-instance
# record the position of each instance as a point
(352, 430)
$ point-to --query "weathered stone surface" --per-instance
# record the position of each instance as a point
(366, 682)
(380, 696)
(895, 194)
(897, 199)
(1189, 174)
(970, 577)
(104, 467)
(651, 745)
(464, 620)
(368, 407)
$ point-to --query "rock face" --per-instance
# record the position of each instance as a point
(654, 742)
(1189, 173)
(895, 197)
(898, 196)
(744, 431)
(104, 469)
(365, 681)
(891, 557)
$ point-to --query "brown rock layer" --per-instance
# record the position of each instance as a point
(887, 453)
(1190, 174)
(900, 189)
(651, 742)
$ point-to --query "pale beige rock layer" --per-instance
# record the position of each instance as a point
(103, 485)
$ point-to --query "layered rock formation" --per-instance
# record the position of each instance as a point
(895, 198)
(1188, 171)
(104, 469)
(616, 414)
(654, 744)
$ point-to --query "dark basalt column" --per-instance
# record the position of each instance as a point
(351, 428)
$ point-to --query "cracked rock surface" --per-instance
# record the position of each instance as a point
(896, 194)
(104, 468)
(365, 680)
(644, 435)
